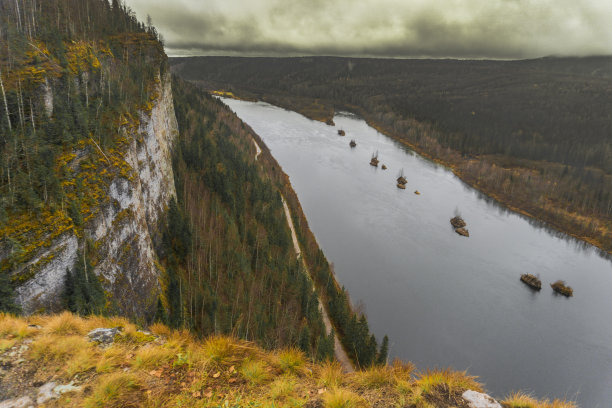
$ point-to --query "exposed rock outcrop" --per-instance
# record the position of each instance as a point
(124, 228)
(479, 400)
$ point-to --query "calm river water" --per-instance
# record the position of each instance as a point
(445, 300)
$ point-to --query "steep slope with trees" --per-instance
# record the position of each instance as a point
(227, 251)
(87, 128)
(106, 209)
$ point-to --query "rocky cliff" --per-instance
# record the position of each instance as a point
(129, 188)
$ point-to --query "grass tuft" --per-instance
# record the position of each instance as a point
(150, 357)
(254, 371)
(65, 324)
(282, 388)
(522, 400)
(83, 361)
(6, 344)
(330, 374)
(58, 348)
(112, 358)
(342, 398)
(375, 377)
(114, 391)
(455, 381)
(11, 326)
(291, 361)
(218, 349)
(161, 330)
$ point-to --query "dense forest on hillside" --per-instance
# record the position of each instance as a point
(75, 79)
(227, 251)
(227, 248)
(73, 74)
(534, 134)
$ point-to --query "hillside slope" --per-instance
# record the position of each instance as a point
(55, 361)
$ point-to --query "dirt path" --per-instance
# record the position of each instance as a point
(257, 148)
(339, 352)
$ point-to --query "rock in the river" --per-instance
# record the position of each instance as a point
(480, 400)
(102, 335)
(463, 232)
(457, 222)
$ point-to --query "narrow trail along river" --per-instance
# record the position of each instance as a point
(446, 300)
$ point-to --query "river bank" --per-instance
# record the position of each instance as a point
(488, 174)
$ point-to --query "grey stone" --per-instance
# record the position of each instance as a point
(63, 389)
(46, 393)
(22, 402)
(479, 400)
(102, 335)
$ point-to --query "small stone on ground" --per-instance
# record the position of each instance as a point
(480, 400)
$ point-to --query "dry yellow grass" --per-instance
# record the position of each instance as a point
(282, 388)
(330, 374)
(522, 400)
(453, 380)
(54, 348)
(178, 370)
(112, 358)
(11, 326)
(115, 390)
(217, 349)
(160, 329)
(291, 361)
(375, 377)
(254, 371)
(343, 398)
(65, 324)
(150, 356)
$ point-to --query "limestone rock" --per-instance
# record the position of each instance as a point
(22, 402)
(480, 400)
(125, 227)
(46, 393)
(103, 335)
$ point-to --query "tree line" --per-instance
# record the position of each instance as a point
(535, 133)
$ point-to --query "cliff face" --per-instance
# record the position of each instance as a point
(125, 224)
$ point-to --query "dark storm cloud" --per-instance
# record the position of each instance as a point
(384, 28)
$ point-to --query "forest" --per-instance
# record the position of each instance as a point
(534, 134)
(73, 73)
(227, 252)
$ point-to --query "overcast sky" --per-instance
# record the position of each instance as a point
(508, 29)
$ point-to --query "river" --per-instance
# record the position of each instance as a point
(446, 300)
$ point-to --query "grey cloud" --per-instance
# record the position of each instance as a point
(384, 28)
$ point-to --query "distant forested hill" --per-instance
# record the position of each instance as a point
(535, 134)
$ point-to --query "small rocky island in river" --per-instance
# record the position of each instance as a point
(561, 288)
(341, 132)
(459, 225)
(374, 160)
(353, 143)
(532, 281)
(401, 179)
(384, 167)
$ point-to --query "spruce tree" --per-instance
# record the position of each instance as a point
(381, 359)
(7, 295)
